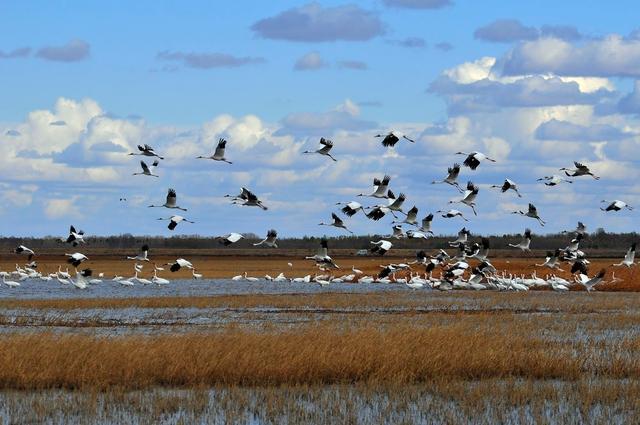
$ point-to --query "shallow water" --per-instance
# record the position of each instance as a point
(38, 289)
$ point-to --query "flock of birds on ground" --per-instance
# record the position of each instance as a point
(453, 267)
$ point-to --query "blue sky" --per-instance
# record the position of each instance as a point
(536, 84)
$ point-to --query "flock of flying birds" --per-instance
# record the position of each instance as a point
(453, 267)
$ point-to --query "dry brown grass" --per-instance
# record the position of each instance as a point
(316, 355)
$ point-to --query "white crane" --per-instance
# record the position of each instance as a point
(411, 218)
(350, 208)
(230, 238)
(146, 150)
(469, 197)
(425, 226)
(143, 255)
(159, 280)
(525, 243)
(580, 170)
(554, 180)
(75, 237)
(398, 233)
(532, 212)
(248, 199)
(452, 214)
(452, 177)
(590, 283)
(218, 155)
(415, 234)
(180, 263)
(381, 187)
(552, 260)
(171, 201)
(146, 170)
(322, 257)
(174, 220)
(474, 159)
(337, 222)
(616, 205)
(270, 240)
(508, 185)
(76, 258)
(629, 257)
(381, 247)
(390, 139)
(23, 250)
(325, 148)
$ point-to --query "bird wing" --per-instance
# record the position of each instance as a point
(172, 197)
(145, 167)
(532, 209)
(336, 219)
(326, 142)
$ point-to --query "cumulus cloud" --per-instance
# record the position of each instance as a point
(505, 31)
(21, 52)
(563, 130)
(418, 4)
(208, 60)
(630, 104)
(74, 51)
(315, 23)
(61, 208)
(353, 64)
(343, 117)
(58, 123)
(309, 62)
(611, 56)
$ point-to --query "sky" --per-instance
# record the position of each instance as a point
(535, 85)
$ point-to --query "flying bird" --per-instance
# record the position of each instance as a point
(580, 170)
(532, 212)
(381, 247)
(322, 257)
(629, 257)
(75, 237)
(508, 184)
(474, 159)
(76, 259)
(380, 188)
(616, 205)
(411, 218)
(178, 264)
(218, 155)
(350, 208)
(452, 177)
(170, 202)
(146, 170)
(525, 243)
(325, 148)
(469, 197)
(24, 250)
(337, 222)
(248, 199)
(390, 139)
(230, 238)
(425, 226)
(143, 255)
(146, 150)
(554, 180)
(452, 214)
(174, 220)
(270, 240)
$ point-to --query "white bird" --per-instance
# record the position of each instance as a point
(249, 278)
(508, 185)
(337, 222)
(142, 256)
(141, 279)
(230, 238)
(10, 283)
(21, 249)
(350, 208)
(452, 177)
(390, 139)
(171, 201)
(159, 280)
(196, 276)
(322, 257)
(554, 180)
(76, 258)
(398, 233)
(580, 170)
(146, 170)
(324, 149)
(248, 199)
(580, 229)
(180, 263)
(425, 226)
(381, 247)
(474, 159)
(414, 234)
(532, 212)
(552, 260)
(146, 150)
(616, 205)
(629, 257)
(356, 271)
(469, 197)
(525, 243)
(381, 187)
(218, 155)
(75, 237)
(452, 214)
(270, 240)
(411, 218)
(174, 220)
(589, 284)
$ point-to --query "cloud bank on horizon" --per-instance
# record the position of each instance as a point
(535, 96)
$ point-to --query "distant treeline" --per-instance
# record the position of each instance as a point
(597, 240)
